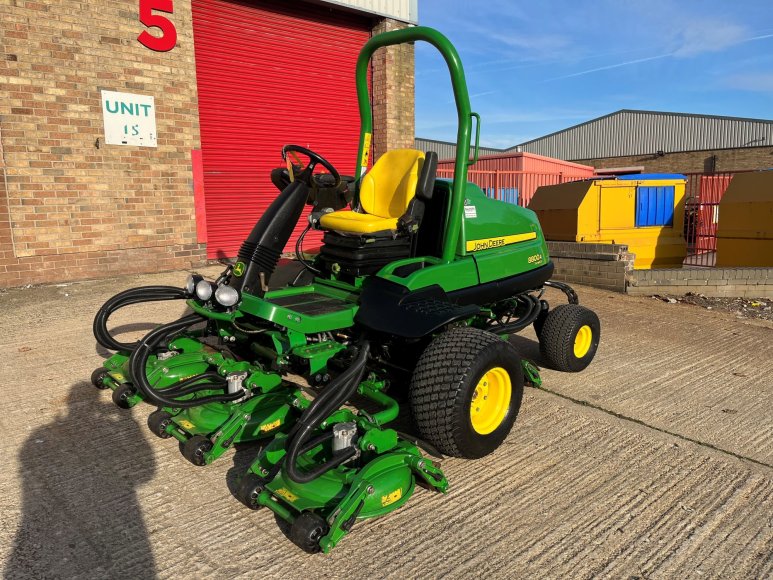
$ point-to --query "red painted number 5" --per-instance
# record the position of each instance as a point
(168, 37)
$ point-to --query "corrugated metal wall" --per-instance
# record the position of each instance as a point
(270, 73)
(644, 132)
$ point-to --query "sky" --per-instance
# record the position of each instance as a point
(539, 66)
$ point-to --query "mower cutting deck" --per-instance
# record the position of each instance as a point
(415, 291)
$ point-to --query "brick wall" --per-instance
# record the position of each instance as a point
(70, 206)
(741, 282)
(600, 265)
(393, 93)
(693, 161)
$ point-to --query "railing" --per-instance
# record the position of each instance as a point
(516, 187)
(701, 215)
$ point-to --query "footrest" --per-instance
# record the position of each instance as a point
(393, 309)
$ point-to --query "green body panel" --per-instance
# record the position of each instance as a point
(488, 222)
(461, 273)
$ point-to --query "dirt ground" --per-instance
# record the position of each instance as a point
(758, 308)
(655, 462)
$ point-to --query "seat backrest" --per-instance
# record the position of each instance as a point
(388, 188)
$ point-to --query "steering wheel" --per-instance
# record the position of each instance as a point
(314, 159)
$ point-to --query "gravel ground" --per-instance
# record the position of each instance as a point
(754, 308)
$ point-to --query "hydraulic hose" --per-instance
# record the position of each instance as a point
(336, 393)
(139, 359)
(127, 298)
(531, 315)
(193, 385)
(299, 252)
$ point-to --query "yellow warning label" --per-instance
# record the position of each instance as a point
(489, 243)
(185, 424)
(365, 150)
(391, 498)
(270, 426)
(117, 376)
(287, 494)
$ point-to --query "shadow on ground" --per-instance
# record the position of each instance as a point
(80, 512)
(143, 327)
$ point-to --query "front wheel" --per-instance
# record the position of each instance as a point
(466, 392)
(570, 337)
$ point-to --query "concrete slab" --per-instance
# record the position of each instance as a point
(681, 487)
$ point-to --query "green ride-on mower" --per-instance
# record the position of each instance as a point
(411, 297)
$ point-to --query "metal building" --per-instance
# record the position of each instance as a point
(629, 132)
(447, 150)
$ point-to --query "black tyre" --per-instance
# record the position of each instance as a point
(466, 391)
(570, 337)
(97, 378)
(158, 421)
(249, 489)
(307, 530)
(195, 448)
(122, 396)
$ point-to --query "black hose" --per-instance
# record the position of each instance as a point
(336, 393)
(128, 298)
(139, 359)
(192, 385)
(299, 252)
(531, 315)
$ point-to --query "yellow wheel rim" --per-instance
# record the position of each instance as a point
(582, 341)
(491, 400)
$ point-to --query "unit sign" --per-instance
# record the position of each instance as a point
(129, 119)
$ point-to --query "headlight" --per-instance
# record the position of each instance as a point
(226, 295)
(204, 290)
(190, 283)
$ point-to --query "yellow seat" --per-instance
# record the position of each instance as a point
(385, 192)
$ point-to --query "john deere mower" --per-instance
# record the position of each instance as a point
(412, 297)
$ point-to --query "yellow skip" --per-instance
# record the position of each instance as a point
(489, 243)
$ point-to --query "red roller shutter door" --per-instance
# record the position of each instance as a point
(270, 73)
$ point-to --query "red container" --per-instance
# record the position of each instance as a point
(514, 177)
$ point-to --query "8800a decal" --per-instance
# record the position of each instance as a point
(534, 259)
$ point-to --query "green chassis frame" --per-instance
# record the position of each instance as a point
(383, 477)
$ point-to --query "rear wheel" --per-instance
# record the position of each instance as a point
(122, 395)
(250, 489)
(570, 337)
(158, 422)
(98, 378)
(195, 448)
(466, 392)
(307, 530)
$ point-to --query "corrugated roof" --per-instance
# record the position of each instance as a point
(632, 132)
(447, 149)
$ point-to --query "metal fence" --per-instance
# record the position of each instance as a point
(516, 187)
(701, 216)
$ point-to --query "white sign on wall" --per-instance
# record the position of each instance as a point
(129, 119)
